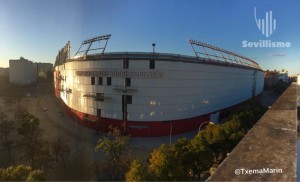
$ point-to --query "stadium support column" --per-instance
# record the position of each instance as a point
(254, 84)
(124, 110)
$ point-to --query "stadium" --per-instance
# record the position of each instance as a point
(150, 94)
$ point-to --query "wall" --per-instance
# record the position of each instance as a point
(187, 89)
(22, 72)
(270, 144)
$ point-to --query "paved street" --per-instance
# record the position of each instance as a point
(80, 139)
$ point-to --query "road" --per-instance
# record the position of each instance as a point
(81, 140)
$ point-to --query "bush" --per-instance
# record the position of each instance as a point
(21, 173)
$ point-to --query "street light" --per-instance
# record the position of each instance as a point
(153, 45)
(171, 130)
(204, 123)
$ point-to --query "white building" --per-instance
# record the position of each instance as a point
(22, 72)
(147, 94)
(283, 75)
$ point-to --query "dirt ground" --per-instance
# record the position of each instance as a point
(81, 140)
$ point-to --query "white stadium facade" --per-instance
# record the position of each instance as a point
(153, 94)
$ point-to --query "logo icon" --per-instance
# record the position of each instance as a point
(268, 25)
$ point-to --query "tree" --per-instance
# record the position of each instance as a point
(9, 101)
(61, 150)
(158, 167)
(21, 173)
(34, 148)
(215, 137)
(114, 145)
(183, 158)
(224, 137)
(29, 126)
(19, 114)
(137, 172)
(116, 149)
(248, 114)
(36, 175)
(6, 127)
(201, 155)
(179, 160)
(234, 134)
(207, 149)
(43, 158)
(31, 133)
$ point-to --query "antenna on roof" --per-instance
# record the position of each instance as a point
(89, 42)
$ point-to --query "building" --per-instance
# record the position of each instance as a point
(44, 69)
(273, 76)
(283, 75)
(153, 94)
(22, 72)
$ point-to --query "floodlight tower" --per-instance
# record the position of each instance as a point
(89, 42)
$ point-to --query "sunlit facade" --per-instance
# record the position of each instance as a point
(151, 95)
(22, 72)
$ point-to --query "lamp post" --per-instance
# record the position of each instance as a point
(171, 130)
(153, 45)
(204, 123)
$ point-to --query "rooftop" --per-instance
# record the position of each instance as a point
(271, 143)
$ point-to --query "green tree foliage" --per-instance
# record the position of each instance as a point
(35, 150)
(19, 114)
(188, 159)
(43, 158)
(29, 126)
(158, 167)
(179, 160)
(234, 134)
(246, 119)
(201, 157)
(31, 137)
(36, 175)
(9, 101)
(114, 145)
(222, 138)
(61, 150)
(215, 136)
(280, 87)
(6, 127)
(116, 149)
(248, 114)
(21, 173)
(137, 172)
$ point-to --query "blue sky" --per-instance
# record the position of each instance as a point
(37, 29)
